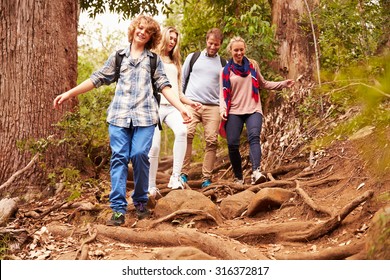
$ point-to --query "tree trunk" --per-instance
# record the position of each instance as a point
(296, 49)
(38, 61)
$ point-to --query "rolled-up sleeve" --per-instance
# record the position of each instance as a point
(160, 78)
(106, 74)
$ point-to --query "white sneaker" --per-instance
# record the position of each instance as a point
(153, 191)
(257, 177)
(175, 183)
(238, 181)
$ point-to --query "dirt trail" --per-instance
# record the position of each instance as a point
(323, 212)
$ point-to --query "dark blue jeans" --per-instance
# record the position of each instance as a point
(234, 126)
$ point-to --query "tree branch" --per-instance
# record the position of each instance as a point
(17, 173)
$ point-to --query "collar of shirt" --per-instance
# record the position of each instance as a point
(206, 54)
(126, 51)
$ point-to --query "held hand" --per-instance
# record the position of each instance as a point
(196, 105)
(223, 116)
(187, 117)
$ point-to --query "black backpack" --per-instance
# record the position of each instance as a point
(194, 57)
(153, 65)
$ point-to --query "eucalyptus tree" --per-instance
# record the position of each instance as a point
(38, 61)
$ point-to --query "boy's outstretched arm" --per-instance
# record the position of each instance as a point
(85, 86)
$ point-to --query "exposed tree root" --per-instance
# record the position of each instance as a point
(83, 251)
(263, 229)
(334, 253)
(219, 247)
(287, 168)
(224, 165)
(224, 173)
(321, 181)
(329, 225)
(270, 184)
(270, 177)
(166, 163)
(87, 206)
(213, 189)
(199, 213)
(309, 173)
(307, 199)
(36, 215)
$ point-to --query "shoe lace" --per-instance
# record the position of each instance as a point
(117, 215)
(140, 207)
(175, 182)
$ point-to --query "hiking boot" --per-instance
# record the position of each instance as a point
(117, 219)
(141, 210)
(183, 178)
(206, 183)
(238, 181)
(257, 177)
(175, 183)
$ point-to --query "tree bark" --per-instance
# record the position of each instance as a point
(38, 61)
(296, 49)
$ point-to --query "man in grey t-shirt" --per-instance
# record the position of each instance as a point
(203, 86)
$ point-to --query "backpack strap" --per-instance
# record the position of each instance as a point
(118, 62)
(194, 57)
(153, 66)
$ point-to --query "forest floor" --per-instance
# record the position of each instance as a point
(323, 211)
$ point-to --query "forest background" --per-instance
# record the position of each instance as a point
(351, 59)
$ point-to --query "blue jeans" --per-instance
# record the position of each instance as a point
(129, 144)
(234, 126)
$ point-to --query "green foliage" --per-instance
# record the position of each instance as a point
(98, 43)
(251, 20)
(232, 17)
(70, 177)
(385, 197)
(198, 145)
(366, 86)
(380, 243)
(73, 182)
(4, 241)
(167, 141)
(255, 28)
(34, 145)
(194, 25)
(168, 138)
(350, 30)
(309, 107)
(85, 134)
(127, 8)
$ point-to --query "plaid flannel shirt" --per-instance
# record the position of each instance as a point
(133, 102)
